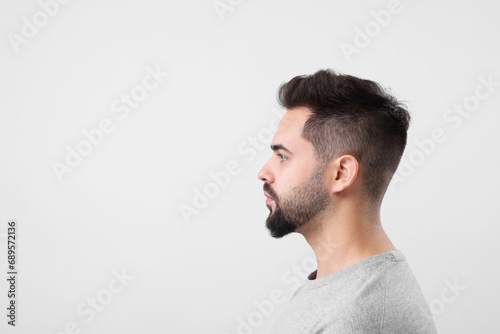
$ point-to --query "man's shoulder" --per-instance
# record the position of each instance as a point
(405, 305)
(377, 294)
(382, 293)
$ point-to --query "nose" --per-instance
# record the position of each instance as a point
(265, 174)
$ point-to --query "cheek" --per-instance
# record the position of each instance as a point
(290, 179)
(292, 174)
(281, 190)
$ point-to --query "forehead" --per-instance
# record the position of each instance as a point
(290, 128)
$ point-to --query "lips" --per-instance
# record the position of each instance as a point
(269, 199)
(267, 195)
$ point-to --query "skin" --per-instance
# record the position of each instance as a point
(347, 228)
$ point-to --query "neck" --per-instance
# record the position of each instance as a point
(344, 238)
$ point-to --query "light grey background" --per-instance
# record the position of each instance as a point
(119, 209)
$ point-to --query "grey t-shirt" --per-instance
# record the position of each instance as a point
(378, 294)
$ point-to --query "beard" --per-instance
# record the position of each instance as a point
(300, 207)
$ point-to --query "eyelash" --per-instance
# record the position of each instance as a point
(281, 155)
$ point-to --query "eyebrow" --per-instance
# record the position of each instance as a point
(277, 147)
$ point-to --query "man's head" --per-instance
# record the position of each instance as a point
(336, 127)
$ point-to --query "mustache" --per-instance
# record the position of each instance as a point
(270, 191)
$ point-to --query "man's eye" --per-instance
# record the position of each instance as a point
(283, 158)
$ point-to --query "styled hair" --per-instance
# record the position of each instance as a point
(351, 116)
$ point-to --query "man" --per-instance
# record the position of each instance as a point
(335, 151)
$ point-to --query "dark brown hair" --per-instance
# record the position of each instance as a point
(351, 116)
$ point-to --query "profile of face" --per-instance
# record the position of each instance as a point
(294, 183)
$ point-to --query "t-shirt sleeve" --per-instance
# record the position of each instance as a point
(406, 310)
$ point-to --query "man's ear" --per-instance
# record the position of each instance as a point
(341, 173)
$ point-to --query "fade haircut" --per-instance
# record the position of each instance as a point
(351, 116)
